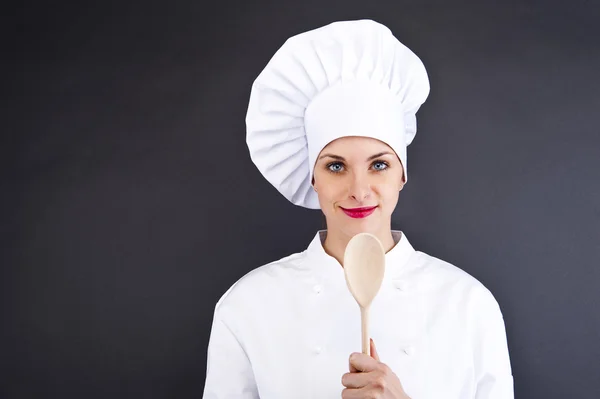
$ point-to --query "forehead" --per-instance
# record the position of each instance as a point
(356, 144)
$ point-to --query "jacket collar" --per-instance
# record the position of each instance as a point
(324, 263)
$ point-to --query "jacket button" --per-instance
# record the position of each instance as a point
(409, 350)
(318, 350)
(400, 285)
(317, 289)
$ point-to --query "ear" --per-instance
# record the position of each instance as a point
(402, 182)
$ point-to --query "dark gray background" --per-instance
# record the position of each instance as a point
(130, 203)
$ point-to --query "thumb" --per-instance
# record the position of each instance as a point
(374, 353)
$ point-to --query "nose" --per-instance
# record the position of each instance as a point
(359, 188)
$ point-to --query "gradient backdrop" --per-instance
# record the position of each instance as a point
(130, 203)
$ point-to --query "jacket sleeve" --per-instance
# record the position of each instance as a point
(229, 372)
(493, 372)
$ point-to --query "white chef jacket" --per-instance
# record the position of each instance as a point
(286, 330)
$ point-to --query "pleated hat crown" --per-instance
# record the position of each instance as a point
(348, 78)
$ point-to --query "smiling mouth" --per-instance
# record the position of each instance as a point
(359, 213)
(367, 208)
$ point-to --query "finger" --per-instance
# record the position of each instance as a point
(374, 353)
(362, 362)
(352, 368)
(355, 380)
(353, 393)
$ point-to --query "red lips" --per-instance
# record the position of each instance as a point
(358, 213)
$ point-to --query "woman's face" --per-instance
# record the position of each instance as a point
(358, 172)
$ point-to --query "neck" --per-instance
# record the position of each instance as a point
(337, 240)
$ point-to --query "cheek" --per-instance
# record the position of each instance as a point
(389, 193)
(328, 193)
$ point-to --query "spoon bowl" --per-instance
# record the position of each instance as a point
(364, 268)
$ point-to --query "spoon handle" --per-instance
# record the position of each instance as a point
(364, 318)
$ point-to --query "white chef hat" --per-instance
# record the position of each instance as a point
(349, 78)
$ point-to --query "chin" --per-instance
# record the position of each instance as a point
(354, 227)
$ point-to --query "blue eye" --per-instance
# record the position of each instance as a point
(380, 165)
(335, 167)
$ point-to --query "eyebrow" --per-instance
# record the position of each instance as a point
(339, 158)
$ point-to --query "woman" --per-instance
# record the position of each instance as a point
(328, 123)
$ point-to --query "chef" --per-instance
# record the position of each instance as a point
(328, 123)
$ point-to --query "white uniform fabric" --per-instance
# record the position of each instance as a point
(286, 330)
(348, 78)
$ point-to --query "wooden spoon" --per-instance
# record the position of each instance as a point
(364, 267)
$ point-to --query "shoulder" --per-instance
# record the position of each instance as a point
(450, 281)
(262, 282)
